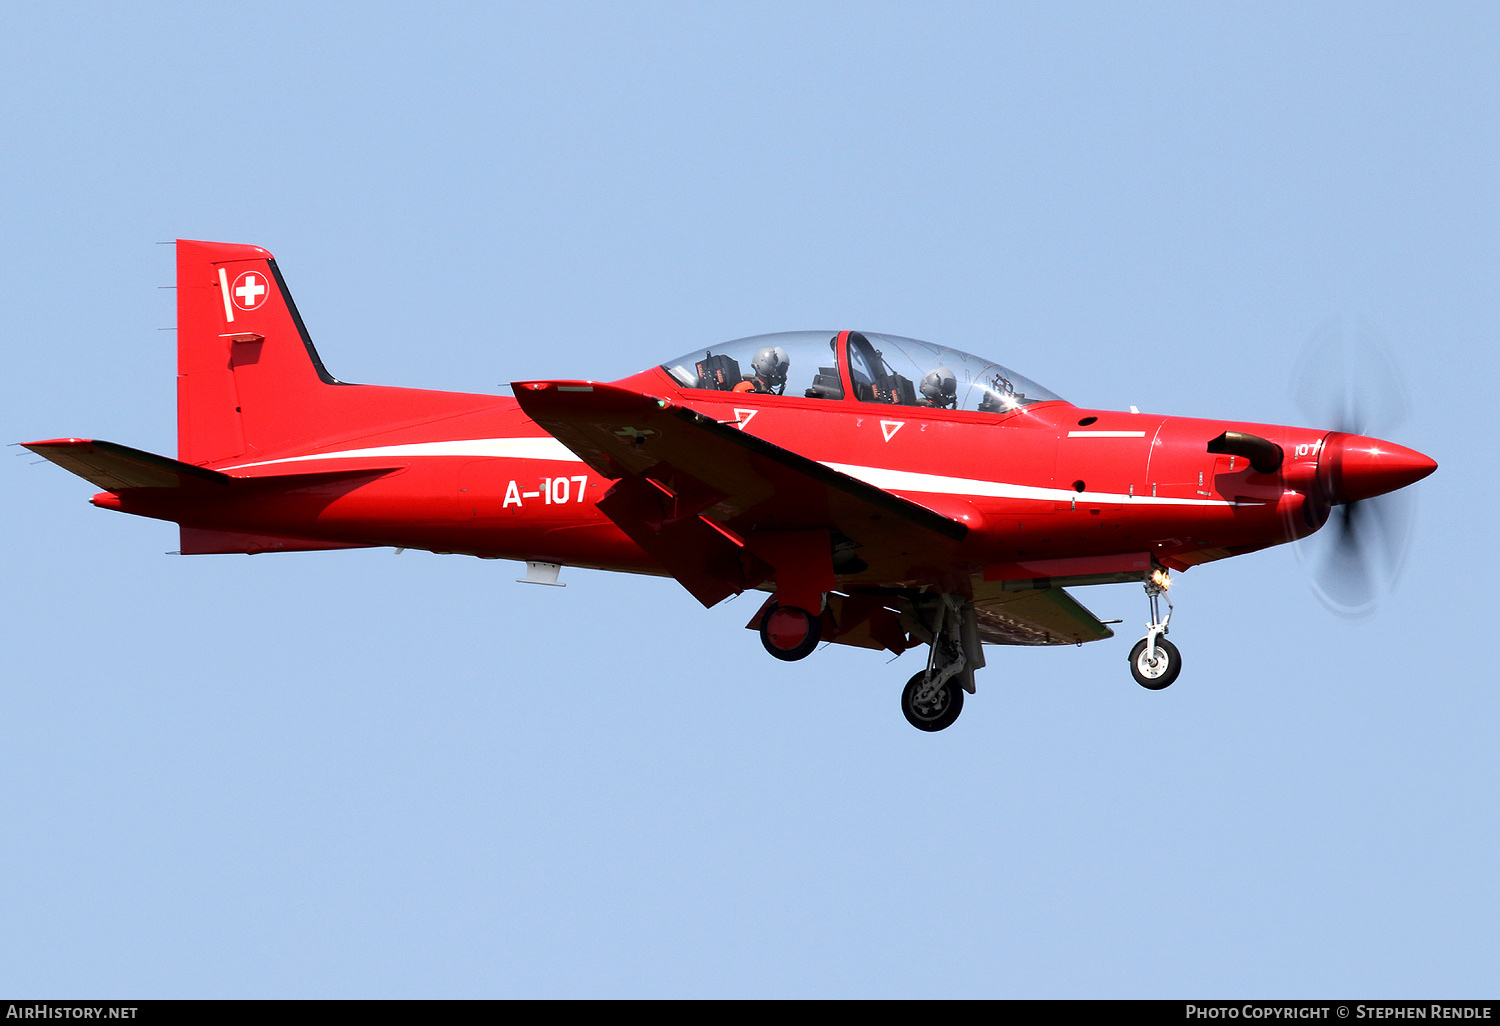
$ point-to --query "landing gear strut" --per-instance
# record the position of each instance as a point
(933, 698)
(1155, 661)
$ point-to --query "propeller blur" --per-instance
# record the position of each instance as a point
(1348, 378)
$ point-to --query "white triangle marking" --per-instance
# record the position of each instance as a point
(890, 427)
(742, 417)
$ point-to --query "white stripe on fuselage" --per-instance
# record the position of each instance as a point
(542, 447)
(546, 448)
(907, 481)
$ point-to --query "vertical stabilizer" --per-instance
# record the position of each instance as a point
(248, 377)
(250, 385)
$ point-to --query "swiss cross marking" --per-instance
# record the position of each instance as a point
(249, 288)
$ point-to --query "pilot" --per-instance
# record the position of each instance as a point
(939, 389)
(768, 369)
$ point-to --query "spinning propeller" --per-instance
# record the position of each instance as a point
(1347, 379)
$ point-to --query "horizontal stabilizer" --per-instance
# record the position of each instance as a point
(115, 467)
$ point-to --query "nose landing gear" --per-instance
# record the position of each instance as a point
(1155, 661)
(1156, 668)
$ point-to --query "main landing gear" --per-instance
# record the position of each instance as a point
(928, 707)
(1155, 661)
(933, 698)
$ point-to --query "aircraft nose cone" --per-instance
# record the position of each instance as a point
(1361, 468)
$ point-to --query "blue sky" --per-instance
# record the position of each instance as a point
(359, 774)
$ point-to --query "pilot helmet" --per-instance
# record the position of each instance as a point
(939, 385)
(771, 364)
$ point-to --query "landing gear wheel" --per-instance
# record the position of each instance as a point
(937, 712)
(1157, 673)
(790, 633)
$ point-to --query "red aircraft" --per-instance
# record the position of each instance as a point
(886, 492)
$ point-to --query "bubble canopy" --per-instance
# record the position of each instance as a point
(882, 368)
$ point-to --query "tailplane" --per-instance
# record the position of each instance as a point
(115, 467)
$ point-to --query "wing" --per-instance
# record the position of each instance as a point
(711, 503)
(1033, 616)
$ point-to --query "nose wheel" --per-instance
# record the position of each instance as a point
(1155, 661)
(1155, 669)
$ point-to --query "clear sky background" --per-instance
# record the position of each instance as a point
(361, 774)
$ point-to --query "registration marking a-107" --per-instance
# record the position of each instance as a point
(554, 491)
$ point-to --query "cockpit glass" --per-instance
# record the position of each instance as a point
(882, 368)
(910, 372)
(800, 363)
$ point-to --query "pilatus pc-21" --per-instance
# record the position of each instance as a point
(886, 493)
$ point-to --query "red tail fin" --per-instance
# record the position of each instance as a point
(249, 382)
(245, 366)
